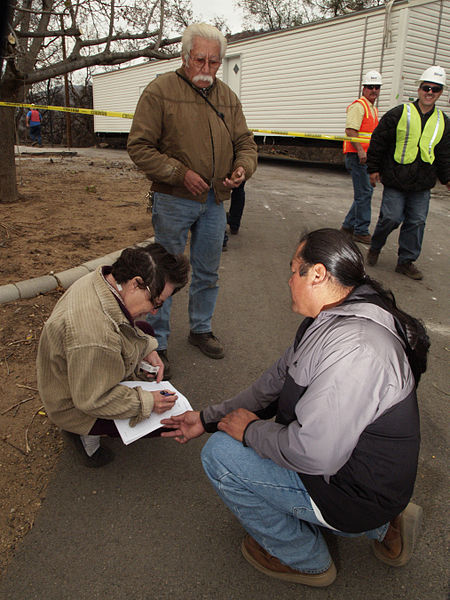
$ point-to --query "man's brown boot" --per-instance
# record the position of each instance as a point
(410, 270)
(271, 566)
(207, 343)
(397, 547)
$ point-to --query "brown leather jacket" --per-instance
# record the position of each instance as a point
(174, 129)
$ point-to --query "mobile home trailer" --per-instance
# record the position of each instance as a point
(302, 79)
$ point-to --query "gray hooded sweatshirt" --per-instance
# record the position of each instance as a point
(346, 414)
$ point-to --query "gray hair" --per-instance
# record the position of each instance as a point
(202, 30)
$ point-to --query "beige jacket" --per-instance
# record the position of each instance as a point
(174, 130)
(86, 348)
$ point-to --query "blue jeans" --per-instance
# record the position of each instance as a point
(173, 218)
(271, 503)
(358, 217)
(411, 208)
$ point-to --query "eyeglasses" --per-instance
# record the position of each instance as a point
(431, 88)
(156, 305)
(201, 62)
(373, 87)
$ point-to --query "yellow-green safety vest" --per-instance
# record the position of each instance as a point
(410, 136)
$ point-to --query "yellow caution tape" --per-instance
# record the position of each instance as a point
(318, 136)
(69, 109)
(108, 113)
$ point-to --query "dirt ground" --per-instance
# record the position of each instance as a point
(71, 210)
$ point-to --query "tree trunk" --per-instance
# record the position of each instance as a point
(8, 184)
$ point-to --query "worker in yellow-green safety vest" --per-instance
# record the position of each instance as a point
(409, 150)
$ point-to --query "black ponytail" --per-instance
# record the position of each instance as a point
(344, 261)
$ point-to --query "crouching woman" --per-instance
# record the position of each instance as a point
(92, 341)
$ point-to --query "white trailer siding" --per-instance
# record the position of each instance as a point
(423, 47)
(302, 79)
(119, 91)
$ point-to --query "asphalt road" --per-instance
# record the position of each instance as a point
(149, 525)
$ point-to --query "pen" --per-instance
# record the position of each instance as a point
(164, 393)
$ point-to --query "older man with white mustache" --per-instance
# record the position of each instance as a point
(190, 137)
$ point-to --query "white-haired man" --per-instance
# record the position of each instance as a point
(190, 137)
(362, 118)
(409, 149)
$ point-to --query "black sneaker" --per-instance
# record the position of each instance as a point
(163, 356)
(101, 457)
(207, 343)
(410, 270)
(372, 257)
(233, 230)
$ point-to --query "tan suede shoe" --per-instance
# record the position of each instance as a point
(268, 564)
(397, 547)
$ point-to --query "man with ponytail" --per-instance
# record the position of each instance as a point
(342, 451)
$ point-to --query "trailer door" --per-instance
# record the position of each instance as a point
(232, 73)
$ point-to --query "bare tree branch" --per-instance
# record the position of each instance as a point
(111, 26)
(103, 58)
(95, 32)
(44, 34)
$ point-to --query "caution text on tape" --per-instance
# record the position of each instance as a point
(108, 113)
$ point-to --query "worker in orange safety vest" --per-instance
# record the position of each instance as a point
(362, 118)
(33, 121)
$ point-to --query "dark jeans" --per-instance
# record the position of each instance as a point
(409, 208)
(35, 134)
(358, 217)
(236, 207)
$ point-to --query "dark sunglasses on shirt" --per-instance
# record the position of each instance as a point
(373, 87)
(431, 88)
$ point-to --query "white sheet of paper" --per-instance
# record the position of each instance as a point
(131, 434)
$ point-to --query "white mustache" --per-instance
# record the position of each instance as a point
(206, 78)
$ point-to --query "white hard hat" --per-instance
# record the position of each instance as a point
(434, 74)
(372, 78)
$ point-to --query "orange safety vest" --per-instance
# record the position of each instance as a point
(367, 126)
(35, 116)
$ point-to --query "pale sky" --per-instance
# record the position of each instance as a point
(224, 8)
